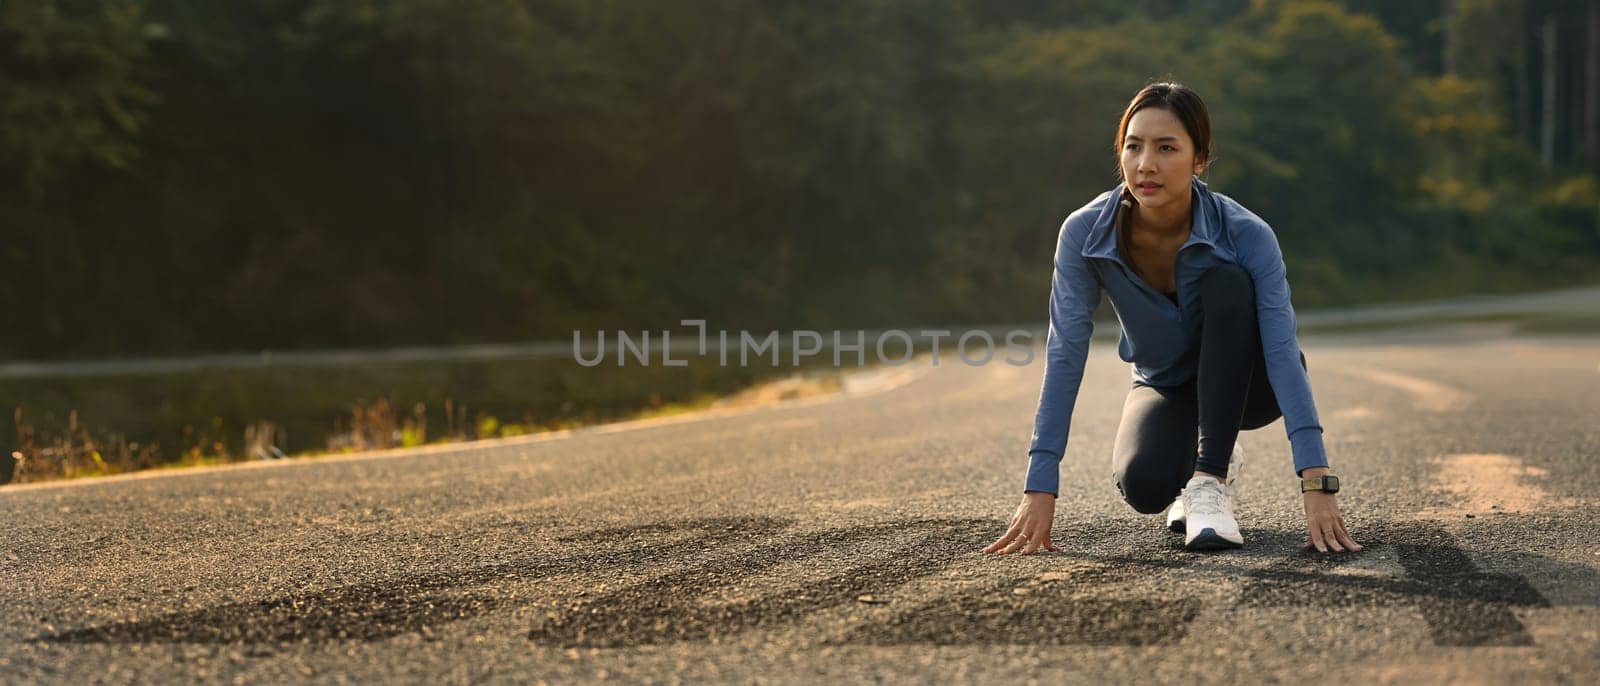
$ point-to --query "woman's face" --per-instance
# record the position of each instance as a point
(1158, 158)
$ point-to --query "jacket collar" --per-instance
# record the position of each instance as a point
(1102, 240)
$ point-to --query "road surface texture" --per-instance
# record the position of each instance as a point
(838, 540)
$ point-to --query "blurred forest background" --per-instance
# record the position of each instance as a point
(180, 176)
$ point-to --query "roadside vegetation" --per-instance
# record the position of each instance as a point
(78, 427)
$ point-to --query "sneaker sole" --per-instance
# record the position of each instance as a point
(1208, 539)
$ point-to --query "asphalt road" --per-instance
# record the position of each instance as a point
(839, 540)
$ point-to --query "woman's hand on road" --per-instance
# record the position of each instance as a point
(1327, 526)
(1030, 526)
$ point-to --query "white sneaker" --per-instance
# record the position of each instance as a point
(1177, 514)
(1209, 522)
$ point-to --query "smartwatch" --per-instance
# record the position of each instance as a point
(1327, 483)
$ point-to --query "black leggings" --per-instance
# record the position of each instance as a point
(1155, 452)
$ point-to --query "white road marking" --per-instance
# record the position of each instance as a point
(1481, 483)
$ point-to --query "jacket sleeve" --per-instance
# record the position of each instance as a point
(1074, 296)
(1263, 259)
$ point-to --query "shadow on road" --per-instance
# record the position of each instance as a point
(1084, 597)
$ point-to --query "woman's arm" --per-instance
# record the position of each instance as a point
(1074, 296)
(1259, 251)
(1261, 256)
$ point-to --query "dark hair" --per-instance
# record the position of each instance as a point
(1182, 102)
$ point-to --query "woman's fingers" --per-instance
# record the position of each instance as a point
(1316, 538)
(1025, 538)
(1029, 529)
(1323, 522)
(1018, 539)
(1005, 538)
(1328, 532)
(1344, 537)
(1329, 537)
(1037, 538)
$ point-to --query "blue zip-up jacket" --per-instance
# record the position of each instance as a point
(1161, 339)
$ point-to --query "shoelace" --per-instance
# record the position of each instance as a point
(1206, 498)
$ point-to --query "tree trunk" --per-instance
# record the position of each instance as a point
(1591, 90)
(1547, 111)
(1519, 69)
(1448, 19)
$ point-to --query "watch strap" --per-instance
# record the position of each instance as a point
(1326, 483)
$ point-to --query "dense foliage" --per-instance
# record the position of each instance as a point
(183, 175)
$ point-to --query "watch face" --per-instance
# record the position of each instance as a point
(1330, 484)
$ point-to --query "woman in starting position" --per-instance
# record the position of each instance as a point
(1198, 283)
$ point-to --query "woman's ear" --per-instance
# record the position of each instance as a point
(1200, 166)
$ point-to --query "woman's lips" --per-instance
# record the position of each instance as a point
(1149, 190)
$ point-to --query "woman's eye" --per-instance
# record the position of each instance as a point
(1168, 147)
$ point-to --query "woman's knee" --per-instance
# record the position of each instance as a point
(1146, 492)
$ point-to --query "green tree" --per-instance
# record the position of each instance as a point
(1313, 134)
(71, 87)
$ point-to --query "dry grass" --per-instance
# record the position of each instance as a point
(75, 452)
(270, 414)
